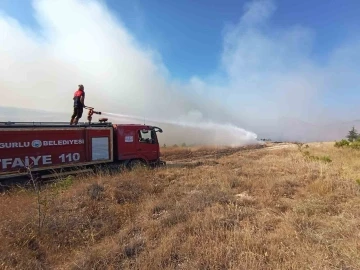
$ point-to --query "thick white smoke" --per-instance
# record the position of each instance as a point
(269, 73)
(82, 42)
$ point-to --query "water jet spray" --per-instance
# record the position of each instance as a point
(236, 135)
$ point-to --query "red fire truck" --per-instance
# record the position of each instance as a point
(48, 148)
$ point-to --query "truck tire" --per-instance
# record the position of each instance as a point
(137, 163)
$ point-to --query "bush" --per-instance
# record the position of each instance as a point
(342, 143)
(355, 145)
(325, 159)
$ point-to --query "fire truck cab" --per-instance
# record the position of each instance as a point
(136, 143)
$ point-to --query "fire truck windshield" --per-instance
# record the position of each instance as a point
(147, 136)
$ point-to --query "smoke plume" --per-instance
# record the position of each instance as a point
(269, 74)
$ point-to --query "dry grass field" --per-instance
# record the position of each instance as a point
(267, 208)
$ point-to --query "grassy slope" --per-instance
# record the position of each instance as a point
(259, 209)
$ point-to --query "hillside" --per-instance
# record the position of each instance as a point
(266, 208)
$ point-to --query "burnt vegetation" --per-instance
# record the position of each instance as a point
(281, 208)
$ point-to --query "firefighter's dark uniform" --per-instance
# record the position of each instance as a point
(78, 106)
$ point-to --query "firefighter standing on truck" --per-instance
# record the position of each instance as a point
(79, 103)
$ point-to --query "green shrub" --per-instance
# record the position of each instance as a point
(325, 159)
(342, 143)
(308, 156)
(63, 184)
(355, 145)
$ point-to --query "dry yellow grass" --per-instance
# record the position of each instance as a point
(255, 209)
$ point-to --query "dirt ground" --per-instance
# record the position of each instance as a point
(195, 156)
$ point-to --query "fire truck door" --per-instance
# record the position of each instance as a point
(148, 145)
(127, 143)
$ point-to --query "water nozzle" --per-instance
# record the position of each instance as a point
(91, 112)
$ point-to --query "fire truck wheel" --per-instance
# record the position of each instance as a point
(136, 163)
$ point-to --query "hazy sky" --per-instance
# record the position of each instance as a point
(249, 63)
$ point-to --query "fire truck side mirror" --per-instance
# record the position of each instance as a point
(157, 129)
